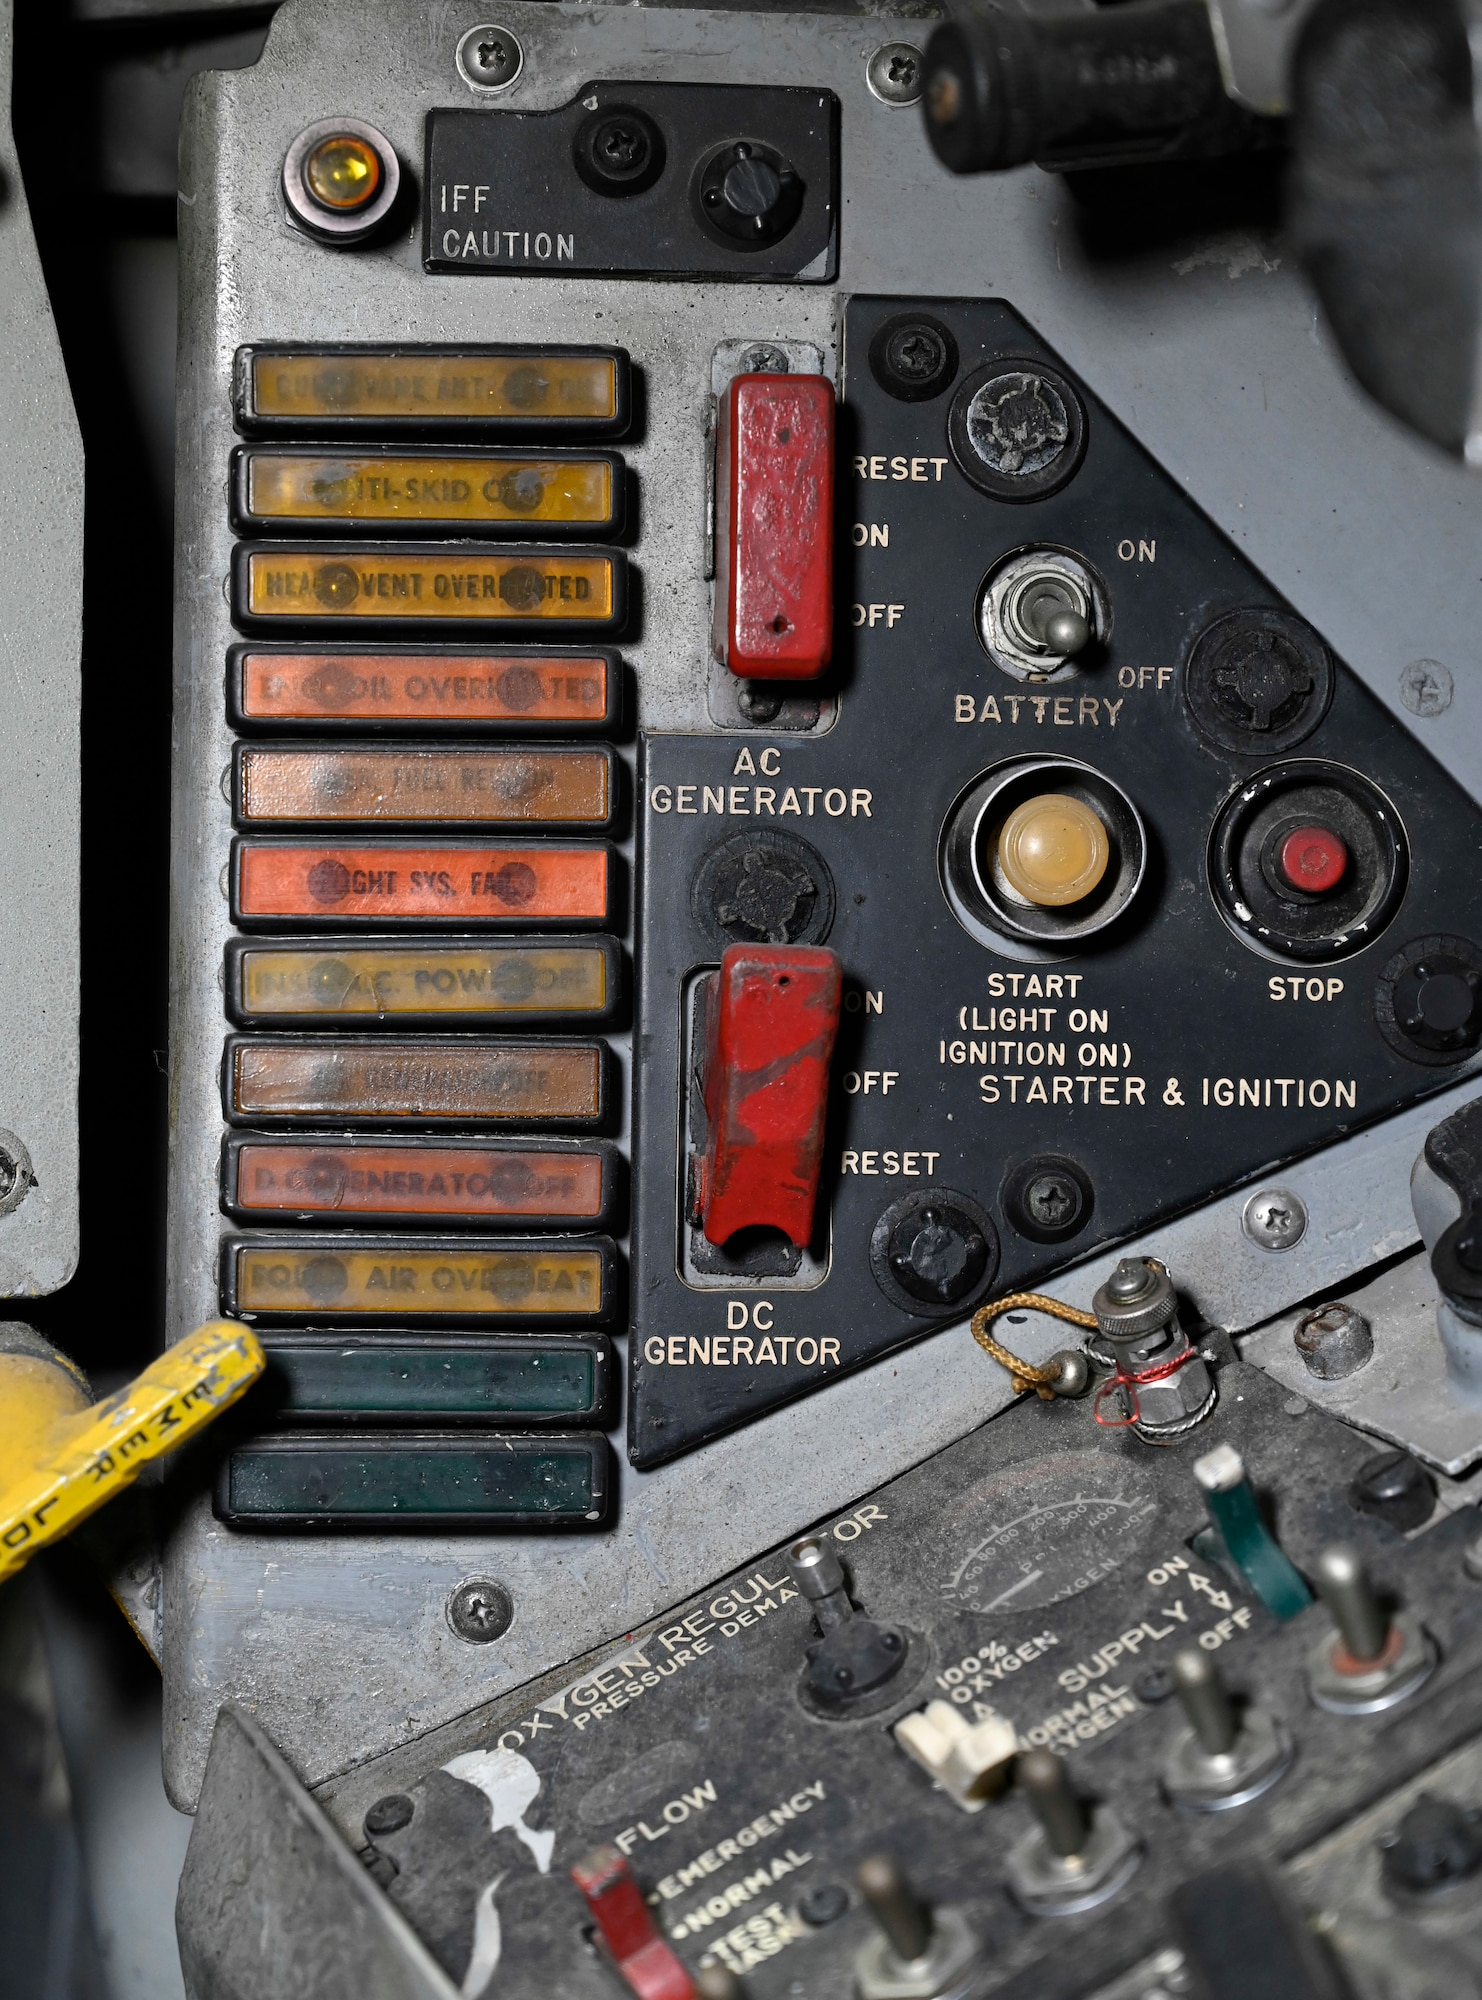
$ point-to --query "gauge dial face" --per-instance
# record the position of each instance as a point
(1046, 1532)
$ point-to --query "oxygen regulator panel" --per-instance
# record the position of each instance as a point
(812, 951)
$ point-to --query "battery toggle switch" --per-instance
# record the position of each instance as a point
(771, 1018)
(774, 527)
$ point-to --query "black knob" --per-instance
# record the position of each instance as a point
(1436, 1845)
(747, 193)
(1395, 1488)
(1436, 1003)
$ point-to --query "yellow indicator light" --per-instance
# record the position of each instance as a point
(455, 979)
(400, 1280)
(397, 382)
(343, 173)
(1053, 850)
(432, 1081)
(284, 785)
(305, 487)
(300, 585)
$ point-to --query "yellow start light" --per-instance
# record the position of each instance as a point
(1053, 850)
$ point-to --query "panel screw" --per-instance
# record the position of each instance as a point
(1427, 687)
(1334, 1341)
(913, 357)
(1052, 1199)
(757, 702)
(766, 361)
(1274, 1219)
(17, 1175)
(823, 1904)
(389, 1815)
(490, 57)
(893, 73)
(479, 1611)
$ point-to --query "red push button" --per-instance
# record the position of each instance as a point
(774, 527)
(771, 1016)
(627, 1929)
(1314, 859)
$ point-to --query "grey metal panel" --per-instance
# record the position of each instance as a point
(272, 1901)
(1210, 351)
(343, 1641)
(40, 776)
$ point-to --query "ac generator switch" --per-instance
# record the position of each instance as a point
(771, 1017)
(774, 527)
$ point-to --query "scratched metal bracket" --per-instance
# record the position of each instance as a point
(40, 750)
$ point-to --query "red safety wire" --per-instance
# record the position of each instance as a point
(1131, 1380)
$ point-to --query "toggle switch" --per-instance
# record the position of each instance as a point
(853, 1657)
(771, 1017)
(774, 527)
(625, 1928)
(1221, 1756)
(1373, 1657)
(916, 1953)
(1076, 1855)
(1247, 1542)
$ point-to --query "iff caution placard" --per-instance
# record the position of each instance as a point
(342, 586)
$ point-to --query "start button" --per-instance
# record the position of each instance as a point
(1053, 850)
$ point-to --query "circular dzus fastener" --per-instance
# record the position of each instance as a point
(341, 179)
(1258, 681)
(1017, 430)
(934, 1253)
(763, 888)
(1428, 1000)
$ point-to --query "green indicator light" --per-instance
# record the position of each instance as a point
(482, 1479)
(561, 1379)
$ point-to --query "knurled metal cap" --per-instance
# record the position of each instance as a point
(1122, 1312)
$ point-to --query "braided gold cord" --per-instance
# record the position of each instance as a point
(1024, 1374)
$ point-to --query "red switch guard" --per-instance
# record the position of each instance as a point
(627, 1927)
(771, 1016)
(774, 527)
